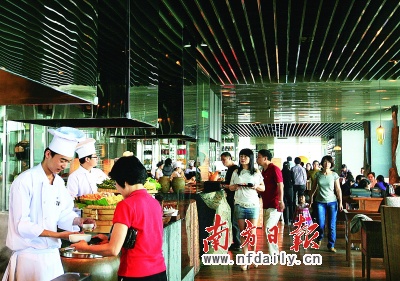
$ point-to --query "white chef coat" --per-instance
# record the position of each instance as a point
(81, 181)
(36, 205)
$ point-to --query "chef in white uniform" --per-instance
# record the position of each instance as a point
(39, 203)
(84, 180)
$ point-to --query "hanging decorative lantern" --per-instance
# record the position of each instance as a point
(380, 131)
(380, 134)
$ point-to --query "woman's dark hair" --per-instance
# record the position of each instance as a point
(380, 178)
(159, 164)
(363, 183)
(329, 159)
(371, 173)
(248, 152)
(168, 162)
(286, 166)
(128, 169)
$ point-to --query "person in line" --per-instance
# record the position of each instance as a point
(247, 181)
(138, 211)
(167, 169)
(308, 169)
(226, 159)
(190, 172)
(158, 173)
(328, 203)
(272, 197)
(39, 204)
(289, 159)
(311, 176)
(299, 178)
(287, 194)
(313, 171)
(372, 179)
(84, 180)
(177, 171)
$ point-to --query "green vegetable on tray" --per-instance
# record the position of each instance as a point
(152, 184)
(101, 202)
(107, 184)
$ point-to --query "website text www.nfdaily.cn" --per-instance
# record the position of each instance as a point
(260, 258)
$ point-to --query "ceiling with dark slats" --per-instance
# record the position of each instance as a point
(283, 67)
(299, 67)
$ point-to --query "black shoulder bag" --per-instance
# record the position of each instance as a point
(130, 238)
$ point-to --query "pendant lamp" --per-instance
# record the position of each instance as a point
(380, 131)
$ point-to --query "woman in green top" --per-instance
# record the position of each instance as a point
(328, 200)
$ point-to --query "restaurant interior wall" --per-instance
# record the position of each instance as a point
(353, 150)
(381, 154)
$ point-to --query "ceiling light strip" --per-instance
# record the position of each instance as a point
(382, 58)
(289, 16)
(299, 40)
(264, 39)
(351, 38)
(204, 38)
(337, 39)
(212, 32)
(312, 39)
(238, 33)
(229, 43)
(276, 40)
(354, 65)
(252, 44)
(381, 46)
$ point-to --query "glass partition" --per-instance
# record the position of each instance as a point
(203, 124)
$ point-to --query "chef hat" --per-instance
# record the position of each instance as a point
(127, 153)
(65, 140)
(86, 148)
(177, 164)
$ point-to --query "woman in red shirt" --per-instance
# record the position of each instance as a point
(141, 212)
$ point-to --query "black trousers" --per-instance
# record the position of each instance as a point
(235, 225)
(297, 191)
(288, 200)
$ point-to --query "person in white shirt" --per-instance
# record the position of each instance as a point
(39, 204)
(84, 180)
(247, 181)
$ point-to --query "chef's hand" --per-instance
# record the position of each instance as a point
(81, 246)
(65, 234)
(80, 221)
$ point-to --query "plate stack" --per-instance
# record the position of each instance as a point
(103, 216)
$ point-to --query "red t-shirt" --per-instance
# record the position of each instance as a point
(272, 176)
(144, 213)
